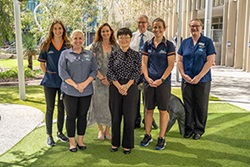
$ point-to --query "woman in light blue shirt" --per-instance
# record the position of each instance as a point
(77, 68)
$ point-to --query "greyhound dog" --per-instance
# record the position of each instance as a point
(176, 111)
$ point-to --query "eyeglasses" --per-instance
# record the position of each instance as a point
(194, 26)
(124, 38)
(141, 22)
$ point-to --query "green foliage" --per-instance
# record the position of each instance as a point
(74, 14)
(13, 73)
(29, 42)
(6, 21)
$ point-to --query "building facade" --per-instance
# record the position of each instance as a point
(230, 26)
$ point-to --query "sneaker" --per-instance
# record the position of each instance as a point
(146, 140)
(160, 144)
(50, 141)
(62, 137)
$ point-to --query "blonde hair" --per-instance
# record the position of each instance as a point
(76, 31)
(198, 20)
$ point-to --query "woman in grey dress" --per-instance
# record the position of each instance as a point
(104, 43)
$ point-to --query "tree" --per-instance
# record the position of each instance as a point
(71, 12)
(30, 46)
(6, 21)
(124, 13)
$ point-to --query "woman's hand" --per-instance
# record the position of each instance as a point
(81, 86)
(157, 82)
(195, 80)
(123, 90)
(150, 82)
(187, 78)
(105, 81)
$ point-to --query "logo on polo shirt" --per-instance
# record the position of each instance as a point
(149, 50)
(87, 57)
(163, 52)
(51, 52)
(201, 44)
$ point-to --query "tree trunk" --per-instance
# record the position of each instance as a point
(30, 62)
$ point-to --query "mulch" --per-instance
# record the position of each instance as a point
(14, 81)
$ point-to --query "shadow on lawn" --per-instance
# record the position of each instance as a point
(226, 140)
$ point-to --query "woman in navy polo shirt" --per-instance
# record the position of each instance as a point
(77, 68)
(157, 63)
(195, 58)
(51, 48)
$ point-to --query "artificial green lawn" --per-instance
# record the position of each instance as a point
(225, 143)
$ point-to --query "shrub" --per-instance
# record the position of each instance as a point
(13, 73)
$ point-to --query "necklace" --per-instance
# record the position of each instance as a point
(106, 47)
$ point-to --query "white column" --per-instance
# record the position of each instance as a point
(179, 33)
(224, 31)
(208, 18)
(246, 53)
(19, 48)
(248, 40)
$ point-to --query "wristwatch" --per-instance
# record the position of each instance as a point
(162, 79)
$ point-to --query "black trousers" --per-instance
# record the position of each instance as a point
(76, 108)
(138, 114)
(125, 106)
(50, 96)
(138, 111)
(195, 98)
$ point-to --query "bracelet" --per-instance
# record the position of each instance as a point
(127, 86)
(102, 79)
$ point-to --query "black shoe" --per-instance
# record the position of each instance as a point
(160, 144)
(114, 149)
(127, 151)
(81, 147)
(62, 137)
(146, 140)
(73, 149)
(196, 136)
(50, 141)
(188, 135)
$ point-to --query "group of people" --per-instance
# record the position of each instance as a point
(108, 75)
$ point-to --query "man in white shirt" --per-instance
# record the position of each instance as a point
(138, 39)
(143, 23)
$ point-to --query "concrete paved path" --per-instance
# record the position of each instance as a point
(16, 122)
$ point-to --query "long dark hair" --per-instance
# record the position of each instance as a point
(98, 36)
(46, 43)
